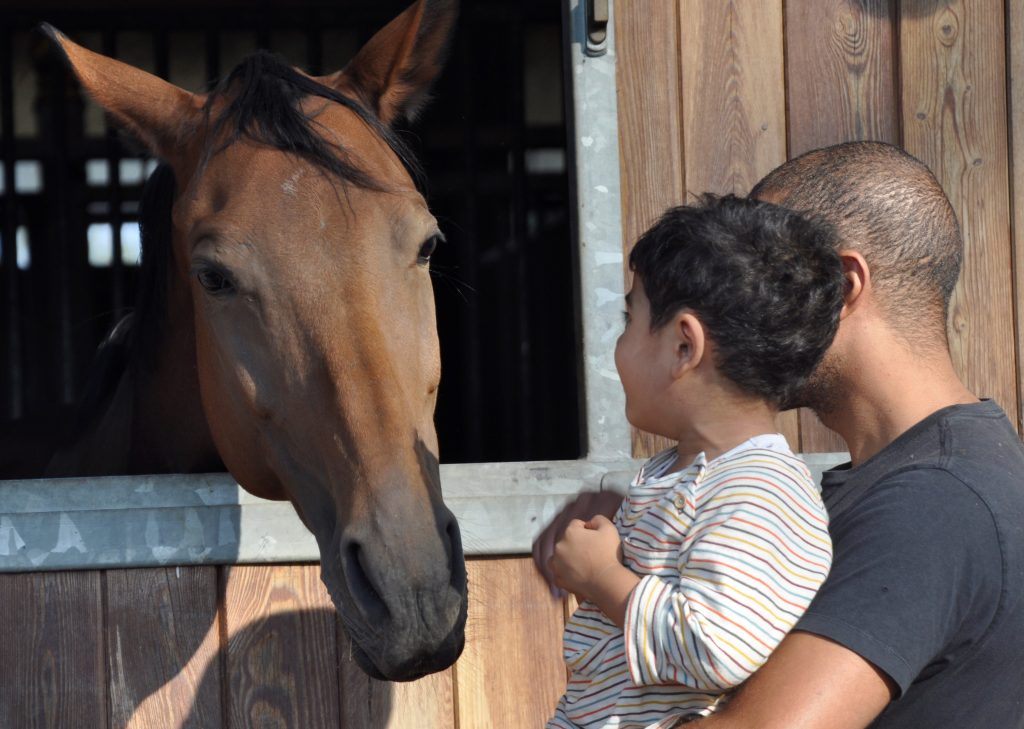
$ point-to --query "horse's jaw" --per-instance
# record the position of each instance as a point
(412, 672)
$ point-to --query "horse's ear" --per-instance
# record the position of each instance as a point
(393, 72)
(158, 113)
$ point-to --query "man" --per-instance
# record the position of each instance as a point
(921, 621)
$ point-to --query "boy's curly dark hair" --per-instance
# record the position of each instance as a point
(765, 282)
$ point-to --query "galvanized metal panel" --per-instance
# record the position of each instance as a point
(128, 521)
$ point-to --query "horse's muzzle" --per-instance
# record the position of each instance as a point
(403, 599)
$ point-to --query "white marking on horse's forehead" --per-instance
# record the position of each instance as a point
(291, 186)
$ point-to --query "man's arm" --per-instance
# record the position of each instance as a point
(809, 682)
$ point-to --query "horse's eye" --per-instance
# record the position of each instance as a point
(427, 249)
(215, 282)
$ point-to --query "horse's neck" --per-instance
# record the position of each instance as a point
(169, 429)
(102, 448)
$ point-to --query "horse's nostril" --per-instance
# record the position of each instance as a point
(456, 561)
(360, 583)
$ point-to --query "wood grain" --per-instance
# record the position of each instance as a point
(1015, 14)
(366, 702)
(734, 115)
(162, 648)
(52, 673)
(954, 119)
(840, 87)
(282, 662)
(511, 674)
(650, 130)
(650, 125)
(840, 73)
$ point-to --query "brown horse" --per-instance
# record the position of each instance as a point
(294, 339)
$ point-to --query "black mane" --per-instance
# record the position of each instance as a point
(263, 95)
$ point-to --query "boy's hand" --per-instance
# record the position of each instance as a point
(588, 561)
(585, 506)
(586, 551)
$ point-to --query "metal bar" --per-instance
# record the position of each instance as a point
(113, 156)
(468, 271)
(212, 57)
(141, 521)
(12, 300)
(596, 151)
(314, 47)
(520, 239)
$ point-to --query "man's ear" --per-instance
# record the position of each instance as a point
(687, 339)
(858, 281)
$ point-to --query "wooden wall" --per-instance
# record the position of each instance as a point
(713, 94)
(258, 646)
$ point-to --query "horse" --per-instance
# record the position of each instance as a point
(287, 329)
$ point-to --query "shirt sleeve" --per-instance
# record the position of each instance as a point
(751, 561)
(912, 559)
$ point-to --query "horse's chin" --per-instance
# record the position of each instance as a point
(406, 673)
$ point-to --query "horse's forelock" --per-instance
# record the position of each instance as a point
(261, 100)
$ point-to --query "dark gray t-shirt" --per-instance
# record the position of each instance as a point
(927, 582)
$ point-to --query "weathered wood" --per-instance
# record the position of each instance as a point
(282, 662)
(367, 702)
(734, 116)
(840, 73)
(163, 648)
(650, 131)
(953, 63)
(1015, 15)
(52, 672)
(841, 86)
(511, 673)
(650, 126)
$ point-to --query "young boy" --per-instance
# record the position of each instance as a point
(722, 541)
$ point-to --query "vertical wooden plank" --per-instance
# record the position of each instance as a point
(734, 115)
(366, 702)
(52, 672)
(840, 73)
(1015, 48)
(511, 673)
(954, 119)
(841, 87)
(162, 648)
(650, 129)
(282, 662)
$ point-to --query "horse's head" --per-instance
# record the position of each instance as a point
(303, 246)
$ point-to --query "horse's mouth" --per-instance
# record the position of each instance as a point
(407, 673)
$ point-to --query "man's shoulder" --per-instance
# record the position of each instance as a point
(979, 458)
(961, 453)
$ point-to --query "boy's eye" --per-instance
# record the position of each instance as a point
(625, 317)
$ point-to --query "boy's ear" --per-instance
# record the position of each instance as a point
(858, 281)
(688, 340)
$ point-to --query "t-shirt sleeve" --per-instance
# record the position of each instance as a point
(754, 556)
(908, 561)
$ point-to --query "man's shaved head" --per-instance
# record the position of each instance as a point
(888, 206)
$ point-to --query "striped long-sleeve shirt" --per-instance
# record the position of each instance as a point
(730, 553)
